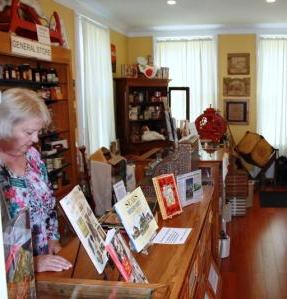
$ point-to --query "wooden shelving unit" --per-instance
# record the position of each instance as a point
(140, 102)
(62, 110)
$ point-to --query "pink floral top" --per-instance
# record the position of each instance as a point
(32, 190)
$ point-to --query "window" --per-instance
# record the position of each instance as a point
(94, 86)
(272, 91)
(192, 63)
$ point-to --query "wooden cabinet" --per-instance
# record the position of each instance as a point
(58, 142)
(184, 269)
(215, 163)
(141, 102)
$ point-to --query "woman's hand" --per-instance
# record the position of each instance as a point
(54, 246)
(51, 262)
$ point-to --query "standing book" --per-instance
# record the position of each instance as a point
(167, 195)
(137, 218)
(190, 187)
(123, 258)
(86, 226)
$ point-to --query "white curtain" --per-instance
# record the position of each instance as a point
(95, 104)
(192, 63)
(272, 91)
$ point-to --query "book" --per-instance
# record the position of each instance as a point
(137, 218)
(189, 187)
(123, 258)
(86, 226)
(110, 218)
(167, 195)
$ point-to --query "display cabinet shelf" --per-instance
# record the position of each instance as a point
(141, 102)
(62, 109)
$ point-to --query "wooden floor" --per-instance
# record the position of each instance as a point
(257, 265)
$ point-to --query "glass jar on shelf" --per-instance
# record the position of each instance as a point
(36, 72)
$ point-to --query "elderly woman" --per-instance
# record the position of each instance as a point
(23, 175)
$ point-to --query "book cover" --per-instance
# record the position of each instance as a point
(167, 195)
(123, 258)
(86, 226)
(137, 218)
(189, 187)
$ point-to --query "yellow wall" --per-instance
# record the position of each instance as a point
(67, 15)
(121, 43)
(244, 43)
(139, 46)
(128, 49)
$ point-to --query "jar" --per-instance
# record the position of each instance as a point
(1, 71)
(12, 71)
(6, 73)
(25, 72)
(36, 74)
(43, 73)
(52, 76)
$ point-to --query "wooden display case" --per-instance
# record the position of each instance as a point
(141, 102)
(180, 270)
(63, 174)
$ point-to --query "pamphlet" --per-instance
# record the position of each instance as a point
(137, 218)
(171, 235)
(123, 258)
(190, 187)
(86, 226)
(120, 190)
(167, 195)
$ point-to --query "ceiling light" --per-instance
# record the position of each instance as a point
(270, 1)
(171, 2)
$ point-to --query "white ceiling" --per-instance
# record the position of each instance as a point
(136, 17)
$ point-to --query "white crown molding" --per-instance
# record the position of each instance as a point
(95, 13)
(102, 16)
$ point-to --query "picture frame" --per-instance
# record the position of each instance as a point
(238, 64)
(236, 111)
(114, 58)
(236, 87)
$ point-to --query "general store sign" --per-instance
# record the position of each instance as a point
(27, 47)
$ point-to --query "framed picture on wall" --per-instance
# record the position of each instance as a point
(114, 58)
(236, 111)
(236, 87)
(238, 64)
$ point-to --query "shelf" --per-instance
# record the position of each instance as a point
(50, 102)
(50, 134)
(60, 151)
(146, 120)
(27, 83)
(62, 110)
(58, 170)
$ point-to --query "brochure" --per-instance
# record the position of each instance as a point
(137, 218)
(86, 226)
(172, 235)
(167, 195)
(120, 190)
(190, 187)
(123, 258)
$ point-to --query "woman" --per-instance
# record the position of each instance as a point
(23, 175)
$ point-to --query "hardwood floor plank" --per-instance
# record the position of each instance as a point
(257, 265)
